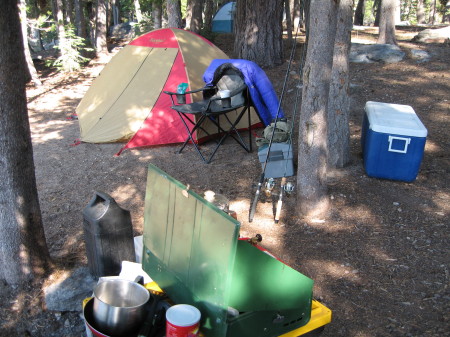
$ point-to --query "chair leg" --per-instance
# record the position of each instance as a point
(190, 133)
(237, 137)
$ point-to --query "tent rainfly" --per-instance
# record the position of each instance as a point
(126, 101)
(222, 21)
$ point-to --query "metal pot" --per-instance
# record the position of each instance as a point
(91, 330)
(119, 306)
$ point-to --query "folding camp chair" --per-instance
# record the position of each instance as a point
(228, 81)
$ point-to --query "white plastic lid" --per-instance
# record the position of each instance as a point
(394, 119)
(183, 315)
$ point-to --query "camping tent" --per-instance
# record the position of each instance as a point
(126, 101)
(223, 19)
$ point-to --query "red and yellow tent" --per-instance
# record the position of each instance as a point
(126, 101)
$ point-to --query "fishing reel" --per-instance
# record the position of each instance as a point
(289, 188)
(269, 186)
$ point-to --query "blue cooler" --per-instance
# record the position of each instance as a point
(393, 141)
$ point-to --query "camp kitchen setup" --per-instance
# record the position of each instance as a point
(191, 273)
(196, 277)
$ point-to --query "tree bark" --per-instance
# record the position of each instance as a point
(287, 12)
(194, 20)
(80, 19)
(359, 13)
(377, 10)
(386, 33)
(137, 10)
(31, 68)
(295, 13)
(420, 12)
(115, 8)
(338, 102)
(68, 5)
(398, 12)
(306, 6)
(157, 14)
(258, 31)
(432, 15)
(101, 45)
(59, 18)
(174, 13)
(312, 196)
(209, 13)
(24, 253)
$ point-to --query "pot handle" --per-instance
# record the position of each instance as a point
(139, 279)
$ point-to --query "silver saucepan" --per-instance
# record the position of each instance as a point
(119, 306)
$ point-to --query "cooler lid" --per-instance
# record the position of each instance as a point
(394, 119)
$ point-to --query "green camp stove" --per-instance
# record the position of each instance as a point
(192, 250)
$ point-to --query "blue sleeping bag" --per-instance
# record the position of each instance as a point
(261, 91)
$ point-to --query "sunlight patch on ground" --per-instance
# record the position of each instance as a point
(125, 192)
(143, 155)
(338, 271)
(431, 146)
(442, 200)
(43, 132)
(380, 255)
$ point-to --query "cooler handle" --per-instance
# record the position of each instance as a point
(405, 149)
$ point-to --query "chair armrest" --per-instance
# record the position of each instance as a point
(188, 92)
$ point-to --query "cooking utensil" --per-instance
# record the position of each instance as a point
(119, 306)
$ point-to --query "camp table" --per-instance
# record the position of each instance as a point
(192, 250)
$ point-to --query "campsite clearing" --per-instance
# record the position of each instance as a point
(379, 262)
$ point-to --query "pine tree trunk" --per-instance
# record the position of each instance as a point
(23, 250)
(338, 102)
(432, 15)
(31, 68)
(306, 5)
(312, 152)
(209, 13)
(294, 6)
(258, 31)
(288, 21)
(80, 20)
(359, 13)
(194, 20)
(137, 10)
(157, 14)
(420, 12)
(377, 10)
(386, 33)
(188, 17)
(174, 13)
(68, 5)
(397, 13)
(58, 14)
(101, 45)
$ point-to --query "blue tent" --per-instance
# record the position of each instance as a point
(223, 20)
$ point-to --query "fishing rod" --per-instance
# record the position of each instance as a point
(286, 187)
(263, 174)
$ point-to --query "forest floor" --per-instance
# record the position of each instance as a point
(380, 260)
